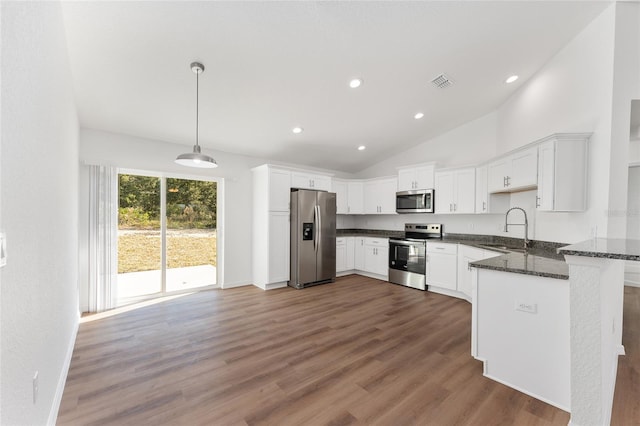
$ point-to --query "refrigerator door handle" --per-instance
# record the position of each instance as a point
(317, 228)
(318, 224)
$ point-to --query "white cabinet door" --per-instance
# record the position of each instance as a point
(341, 255)
(467, 255)
(406, 180)
(497, 175)
(419, 177)
(342, 196)
(380, 196)
(387, 196)
(513, 173)
(425, 177)
(465, 191)
(358, 253)
(524, 169)
(482, 194)
(546, 164)
(355, 192)
(376, 259)
(442, 265)
(279, 189)
(456, 191)
(310, 181)
(350, 256)
(562, 173)
(279, 246)
(444, 192)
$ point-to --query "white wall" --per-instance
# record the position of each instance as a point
(471, 143)
(39, 212)
(573, 92)
(97, 147)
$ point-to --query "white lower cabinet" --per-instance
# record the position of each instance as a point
(358, 253)
(442, 265)
(341, 254)
(376, 255)
(345, 254)
(466, 255)
(279, 246)
(362, 254)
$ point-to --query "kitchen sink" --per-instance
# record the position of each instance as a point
(502, 247)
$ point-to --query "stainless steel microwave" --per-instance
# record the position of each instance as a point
(415, 201)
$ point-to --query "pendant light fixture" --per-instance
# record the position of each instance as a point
(196, 158)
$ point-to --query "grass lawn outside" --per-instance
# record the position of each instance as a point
(139, 250)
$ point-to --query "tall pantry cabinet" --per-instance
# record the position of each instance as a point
(271, 198)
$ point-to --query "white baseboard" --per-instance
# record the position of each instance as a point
(532, 394)
(234, 285)
(62, 380)
(273, 286)
(447, 292)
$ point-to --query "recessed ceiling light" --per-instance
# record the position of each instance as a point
(362, 148)
(418, 115)
(512, 79)
(297, 130)
(356, 82)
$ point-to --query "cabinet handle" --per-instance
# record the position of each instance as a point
(508, 180)
(455, 207)
(537, 201)
(504, 181)
(484, 206)
(450, 207)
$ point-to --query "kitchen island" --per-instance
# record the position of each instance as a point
(555, 335)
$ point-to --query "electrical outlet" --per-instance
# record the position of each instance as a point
(35, 387)
(528, 307)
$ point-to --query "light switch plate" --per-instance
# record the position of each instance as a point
(3, 249)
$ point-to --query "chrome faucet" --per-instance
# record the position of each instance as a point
(526, 224)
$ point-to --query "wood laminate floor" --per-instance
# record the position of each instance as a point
(359, 351)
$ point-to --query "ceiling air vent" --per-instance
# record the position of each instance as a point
(442, 81)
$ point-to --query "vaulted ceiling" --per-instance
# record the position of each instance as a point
(272, 66)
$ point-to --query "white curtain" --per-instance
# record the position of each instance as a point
(103, 237)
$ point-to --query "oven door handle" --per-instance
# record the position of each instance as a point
(405, 243)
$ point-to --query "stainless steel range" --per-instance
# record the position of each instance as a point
(408, 255)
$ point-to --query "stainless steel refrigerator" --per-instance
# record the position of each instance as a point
(313, 238)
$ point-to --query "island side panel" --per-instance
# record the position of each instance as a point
(522, 326)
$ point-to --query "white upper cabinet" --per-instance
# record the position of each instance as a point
(455, 191)
(355, 192)
(380, 196)
(562, 173)
(516, 172)
(416, 177)
(340, 187)
(349, 196)
(485, 202)
(310, 181)
(279, 189)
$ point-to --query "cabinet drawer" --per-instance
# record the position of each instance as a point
(443, 248)
(376, 241)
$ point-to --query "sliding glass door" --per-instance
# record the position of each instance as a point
(190, 234)
(166, 235)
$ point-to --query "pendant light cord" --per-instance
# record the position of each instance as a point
(197, 104)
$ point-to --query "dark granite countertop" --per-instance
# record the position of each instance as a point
(608, 248)
(526, 263)
(543, 259)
